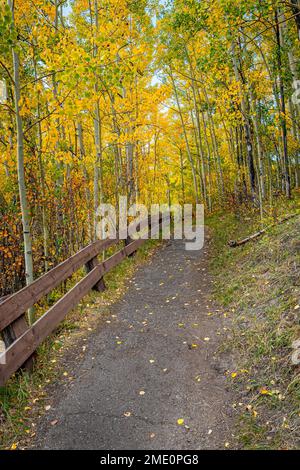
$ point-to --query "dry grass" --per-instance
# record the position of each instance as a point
(262, 297)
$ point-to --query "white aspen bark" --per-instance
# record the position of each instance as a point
(98, 177)
(209, 160)
(42, 176)
(200, 146)
(198, 128)
(86, 178)
(98, 194)
(286, 164)
(185, 138)
(182, 177)
(258, 145)
(247, 126)
(21, 172)
(215, 143)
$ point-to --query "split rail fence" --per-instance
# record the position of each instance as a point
(22, 340)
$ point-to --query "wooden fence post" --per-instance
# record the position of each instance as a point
(21, 340)
(90, 265)
(130, 240)
(13, 332)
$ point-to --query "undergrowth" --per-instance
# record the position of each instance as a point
(258, 284)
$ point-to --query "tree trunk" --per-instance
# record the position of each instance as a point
(185, 138)
(286, 171)
(247, 126)
(21, 172)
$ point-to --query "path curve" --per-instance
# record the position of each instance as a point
(152, 365)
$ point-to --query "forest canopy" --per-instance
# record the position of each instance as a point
(174, 101)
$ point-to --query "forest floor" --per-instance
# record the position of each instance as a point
(185, 350)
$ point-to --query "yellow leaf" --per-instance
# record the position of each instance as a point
(264, 391)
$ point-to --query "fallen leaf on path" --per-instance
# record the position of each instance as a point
(264, 391)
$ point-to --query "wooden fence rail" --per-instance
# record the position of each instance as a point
(22, 340)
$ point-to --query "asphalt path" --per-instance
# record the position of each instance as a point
(151, 378)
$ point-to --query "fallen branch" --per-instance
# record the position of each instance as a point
(254, 236)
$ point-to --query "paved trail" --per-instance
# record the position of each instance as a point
(130, 395)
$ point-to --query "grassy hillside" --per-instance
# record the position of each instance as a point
(259, 287)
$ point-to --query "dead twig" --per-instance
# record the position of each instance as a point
(254, 236)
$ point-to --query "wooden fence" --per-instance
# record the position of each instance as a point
(22, 340)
